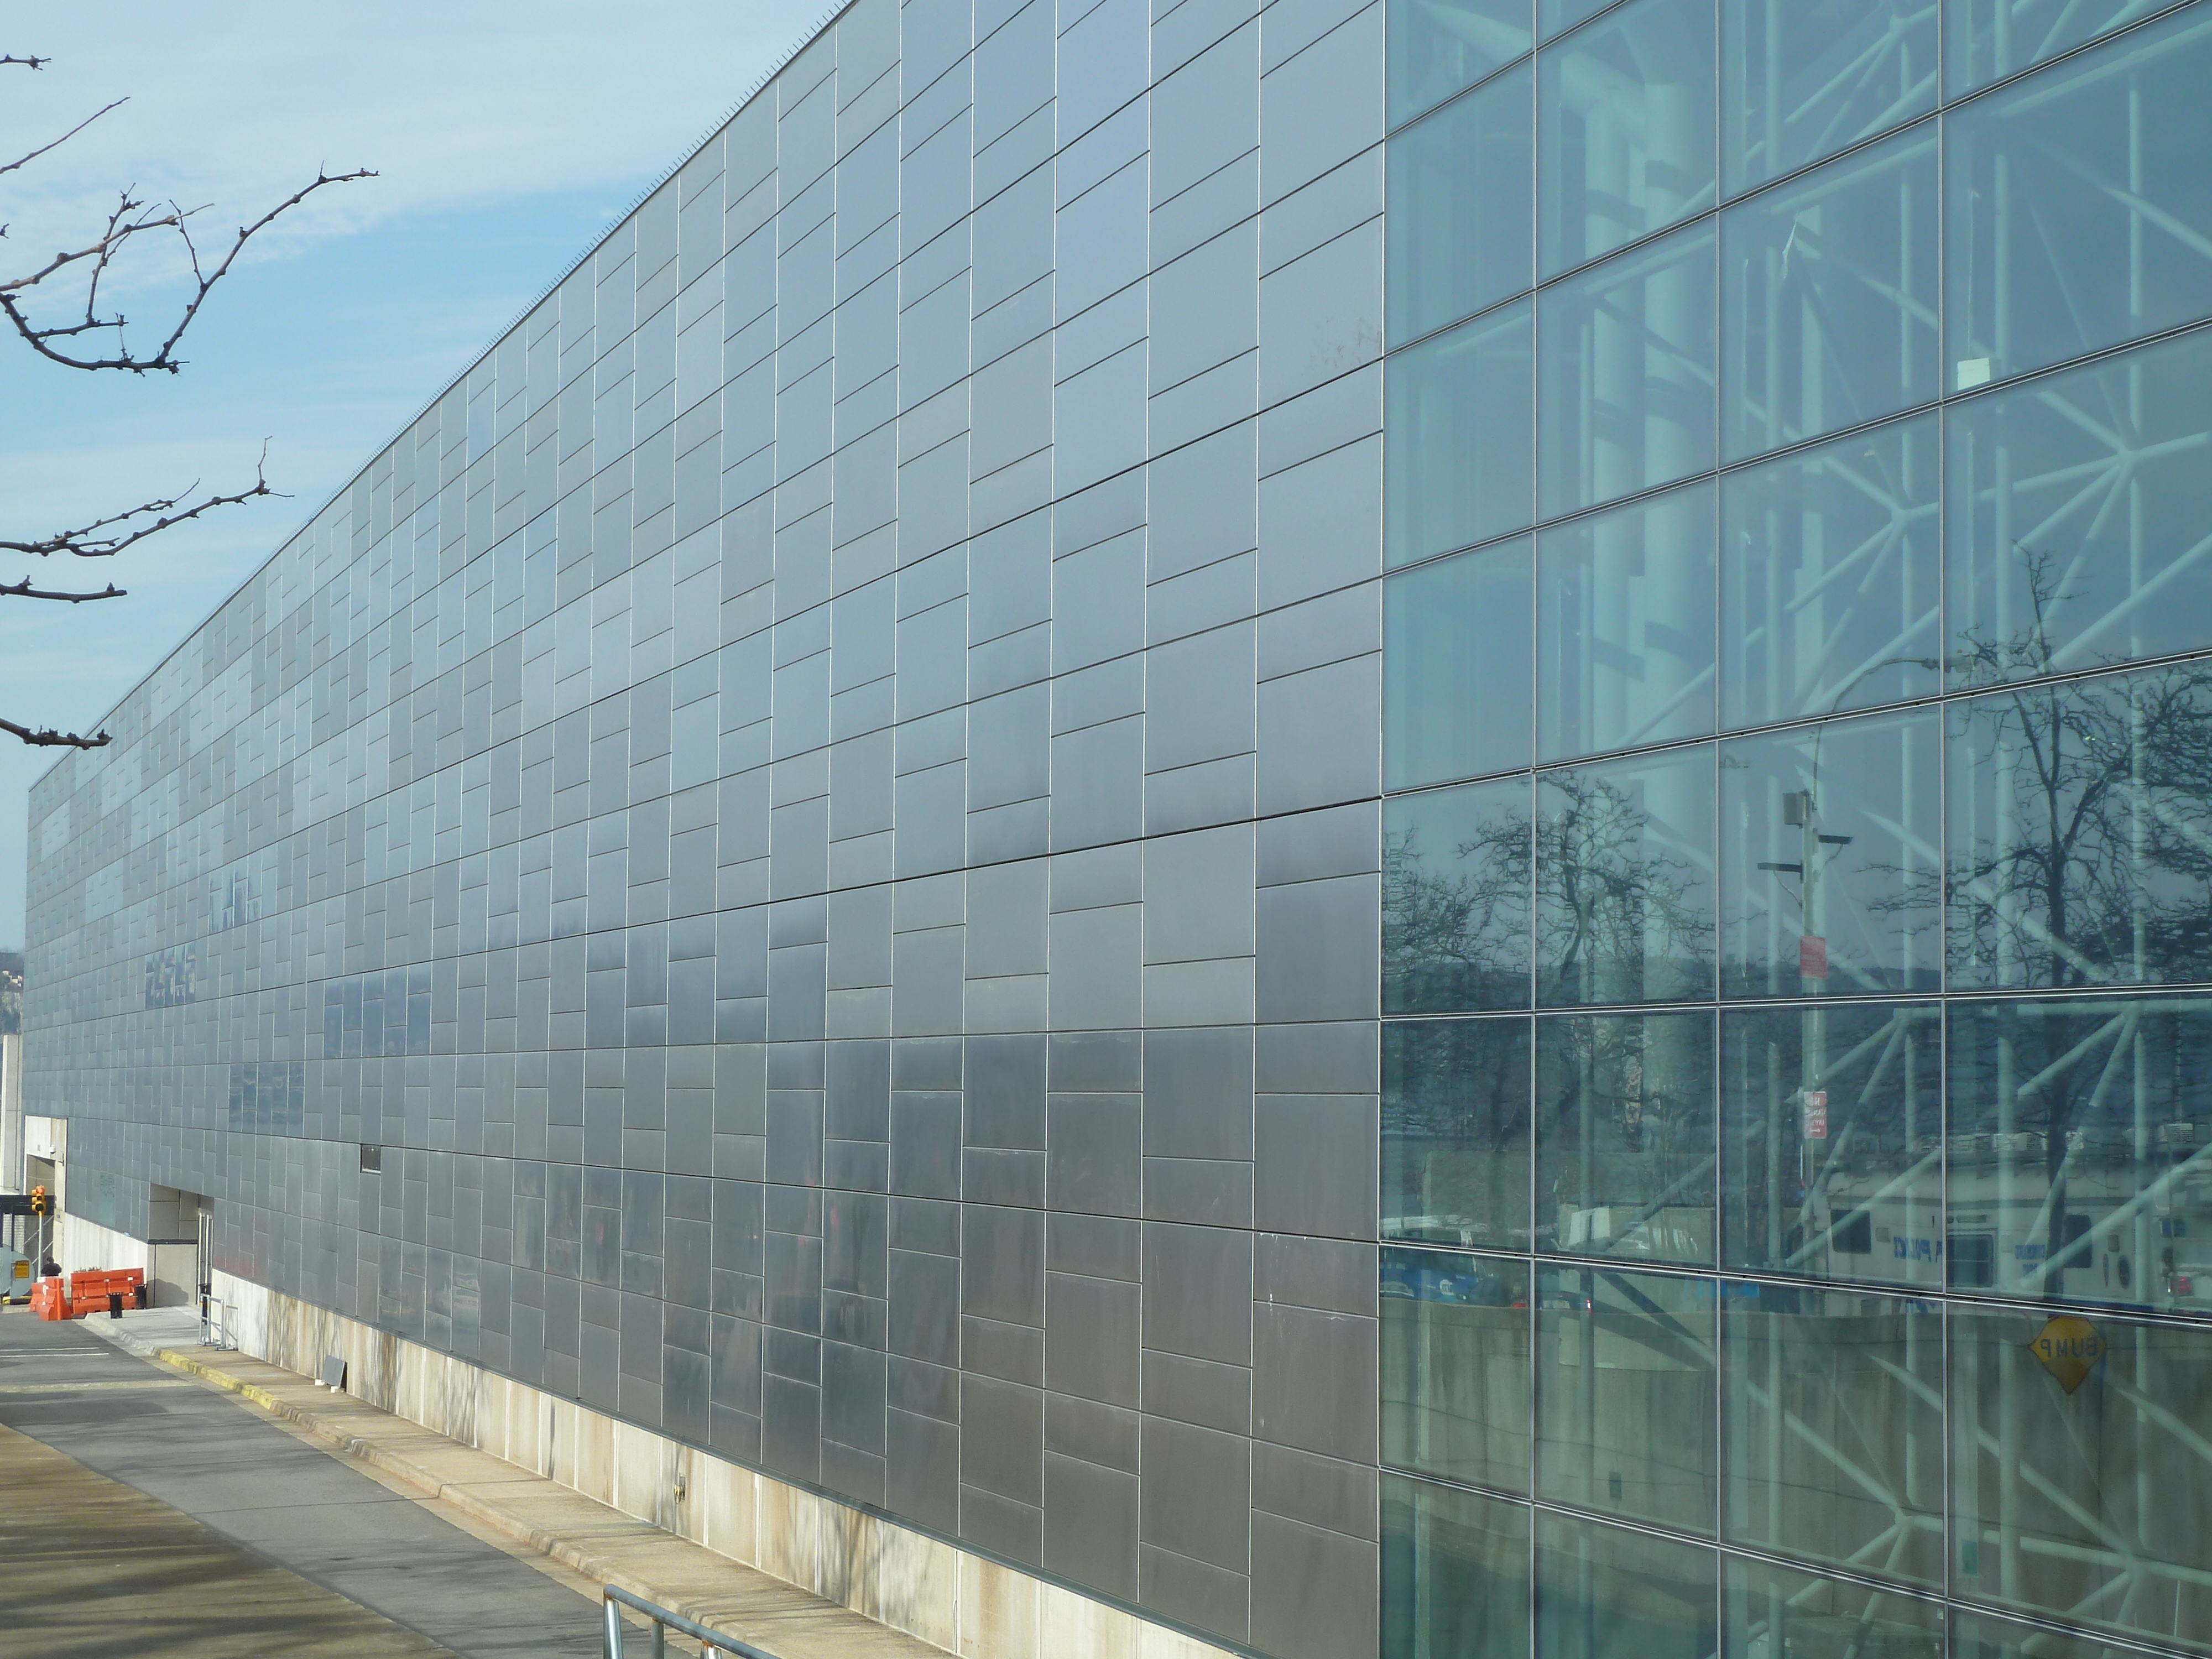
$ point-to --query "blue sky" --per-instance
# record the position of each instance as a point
(507, 137)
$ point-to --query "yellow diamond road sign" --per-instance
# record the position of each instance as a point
(2069, 1349)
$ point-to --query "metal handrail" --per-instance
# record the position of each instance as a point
(710, 1641)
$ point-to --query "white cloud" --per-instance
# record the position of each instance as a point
(235, 105)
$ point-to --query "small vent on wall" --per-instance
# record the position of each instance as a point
(371, 1158)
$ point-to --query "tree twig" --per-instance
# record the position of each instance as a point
(131, 218)
(47, 737)
(24, 160)
(104, 537)
(23, 590)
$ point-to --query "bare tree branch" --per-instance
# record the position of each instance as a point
(23, 590)
(104, 537)
(34, 155)
(132, 218)
(47, 737)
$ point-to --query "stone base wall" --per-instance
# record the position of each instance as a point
(930, 1589)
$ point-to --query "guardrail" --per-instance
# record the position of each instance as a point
(710, 1641)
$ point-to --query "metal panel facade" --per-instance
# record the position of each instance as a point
(820, 805)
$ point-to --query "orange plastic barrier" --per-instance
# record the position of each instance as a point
(50, 1299)
(89, 1289)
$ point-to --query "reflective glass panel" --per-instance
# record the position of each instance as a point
(2078, 206)
(2079, 819)
(1455, 1574)
(2079, 1457)
(1625, 401)
(1832, 1158)
(1436, 47)
(2079, 516)
(1456, 680)
(1832, 1405)
(1458, 460)
(1456, 1131)
(1624, 129)
(1985, 41)
(1624, 1136)
(1460, 213)
(1455, 894)
(1555, 16)
(1605, 1592)
(1625, 626)
(1624, 1395)
(2080, 1150)
(1829, 571)
(1805, 78)
(1625, 889)
(1828, 301)
(1830, 855)
(1984, 1636)
(1455, 1362)
(1769, 1611)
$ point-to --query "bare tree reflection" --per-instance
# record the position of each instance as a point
(1456, 916)
(1618, 910)
(2081, 844)
(1456, 1130)
(1625, 1154)
(1622, 915)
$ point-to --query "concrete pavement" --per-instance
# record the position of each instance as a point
(599, 1544)
(441, 1531)
(92, 1567)
(273, 1506)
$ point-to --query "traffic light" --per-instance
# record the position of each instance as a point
(39, 1205)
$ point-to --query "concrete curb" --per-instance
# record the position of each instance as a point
(470, 1498)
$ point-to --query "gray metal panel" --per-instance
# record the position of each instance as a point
(1199, 895)
(1003, 1450)
(815, 1059)
(1091, 1342)
(1196, 1481)
(1313, 1164)
(1311, 1591)
(1094, 1157)
(1317, 941)
(1002, 1263)
(1311, 1371)
(1318, 1491)
(1322, 107)
(1090, 1524)
(1198, 1291)
(1205, 112)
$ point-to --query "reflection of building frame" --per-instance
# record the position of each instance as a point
(172, 977)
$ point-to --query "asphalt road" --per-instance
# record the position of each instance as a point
(266, 1498)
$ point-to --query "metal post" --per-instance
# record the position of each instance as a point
(663, 1620)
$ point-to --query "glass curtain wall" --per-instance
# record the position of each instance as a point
(1797, 1131)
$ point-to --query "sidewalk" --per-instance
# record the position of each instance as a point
(156, 1492)
(96, 1569)
(146, 1331)
(600, 1543)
